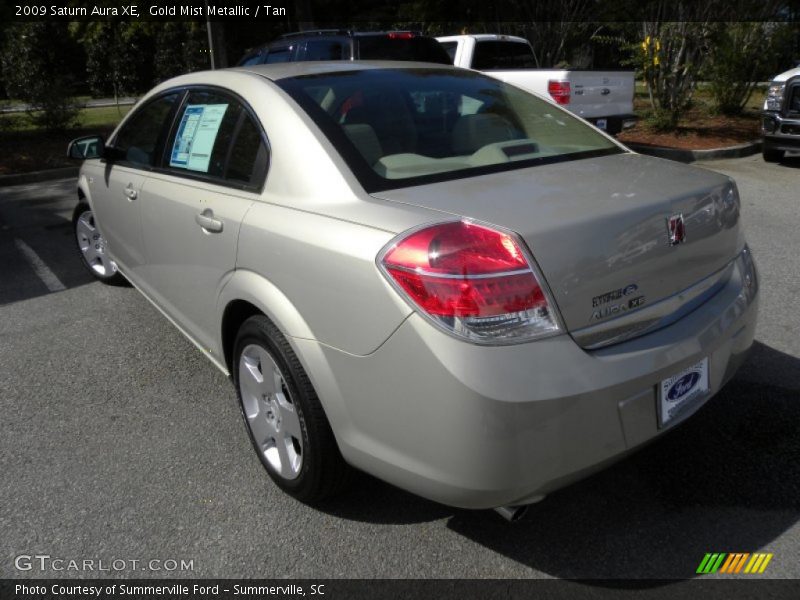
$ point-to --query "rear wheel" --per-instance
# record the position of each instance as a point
(771, 155)
(284, 418)
(92, 246)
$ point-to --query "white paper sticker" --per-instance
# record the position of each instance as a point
(196, 136)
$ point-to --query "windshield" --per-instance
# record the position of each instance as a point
(402, 127)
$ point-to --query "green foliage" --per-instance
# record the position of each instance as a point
(180, 47)
(742, 55)
(38, 65)
(116, 57)
(668, 57)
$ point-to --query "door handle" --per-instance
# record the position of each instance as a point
(207, 221)
(131, 193)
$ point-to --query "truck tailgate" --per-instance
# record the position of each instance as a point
(593, 94)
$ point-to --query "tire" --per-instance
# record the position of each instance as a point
(92, 247)
(771, 156)
(284, 418)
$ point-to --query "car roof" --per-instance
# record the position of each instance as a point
(289, 39)
(278, 71)
(483, 37)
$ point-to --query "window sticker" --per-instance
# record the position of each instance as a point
(196, 136)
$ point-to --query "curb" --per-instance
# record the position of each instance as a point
(687, 156)
(37, 176)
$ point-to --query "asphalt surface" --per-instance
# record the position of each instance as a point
(118, 440)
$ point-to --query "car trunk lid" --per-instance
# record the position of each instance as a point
(598, 229)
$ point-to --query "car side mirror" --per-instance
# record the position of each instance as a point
(92, 146)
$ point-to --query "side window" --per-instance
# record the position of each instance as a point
(324, 50)
(138, 139)
(279, 55)
(205, 129)
(253, 59)
(216, 137)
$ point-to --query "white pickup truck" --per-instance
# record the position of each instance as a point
(604, 98)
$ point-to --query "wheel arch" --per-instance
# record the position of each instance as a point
(83, 190)
(246, 294)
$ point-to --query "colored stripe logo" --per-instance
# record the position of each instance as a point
(734, 563)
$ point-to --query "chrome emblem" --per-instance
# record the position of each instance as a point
(676, 230)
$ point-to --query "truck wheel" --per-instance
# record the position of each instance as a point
(771, 155)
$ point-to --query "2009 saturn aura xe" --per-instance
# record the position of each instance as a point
(421, 272)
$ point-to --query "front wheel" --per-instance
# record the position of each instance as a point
(92, 246)
(285, 420)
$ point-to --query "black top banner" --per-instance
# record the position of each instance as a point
(382, 11)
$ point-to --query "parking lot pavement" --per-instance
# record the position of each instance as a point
(118, 440)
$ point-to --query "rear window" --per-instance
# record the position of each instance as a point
(402, 127)
(499, 55)
(383, 47)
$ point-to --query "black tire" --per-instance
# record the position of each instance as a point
(772, 156)
(108, 274)
(323, 472)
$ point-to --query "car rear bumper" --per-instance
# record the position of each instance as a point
(614, 124)
(480, 427)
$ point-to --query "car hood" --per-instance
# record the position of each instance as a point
(598, 228)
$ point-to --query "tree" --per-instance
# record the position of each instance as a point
(38, 62)
(180, 47)
(117, 54)
(743, 54)
(672, 55)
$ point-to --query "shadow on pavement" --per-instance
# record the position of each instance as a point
(727, 480)
(37, 248)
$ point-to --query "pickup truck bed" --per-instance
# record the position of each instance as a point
(605, 98)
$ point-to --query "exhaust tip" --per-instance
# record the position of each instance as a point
(512, 513)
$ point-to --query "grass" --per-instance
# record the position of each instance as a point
(25, 148)
(700, 127)
(104, 117)
(701, 98)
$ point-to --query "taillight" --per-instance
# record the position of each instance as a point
(472, 280)
(400, 35)
(559, 90)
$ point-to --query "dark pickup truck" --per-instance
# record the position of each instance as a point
(780, 119)
(337, 44)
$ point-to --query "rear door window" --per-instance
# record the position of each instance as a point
(204, 133)
(216, 137)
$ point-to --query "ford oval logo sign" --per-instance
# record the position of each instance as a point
(683, 386)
